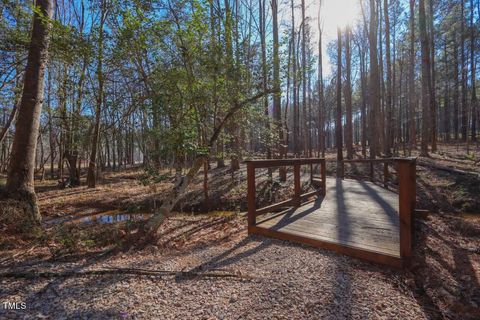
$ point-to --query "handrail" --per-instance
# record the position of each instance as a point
(296, 201)
(369, 160)
(270, 163)
(406, 173)
(385, 161)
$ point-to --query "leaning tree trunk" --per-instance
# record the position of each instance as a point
(20, 179)
(9, 122)
(182, 182)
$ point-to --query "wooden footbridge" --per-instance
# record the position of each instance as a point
(354, 217)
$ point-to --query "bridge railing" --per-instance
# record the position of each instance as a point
(298, 197)
(406, 177)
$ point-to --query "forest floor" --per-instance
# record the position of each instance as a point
(206, 266)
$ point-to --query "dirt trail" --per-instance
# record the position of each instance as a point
(289, 280)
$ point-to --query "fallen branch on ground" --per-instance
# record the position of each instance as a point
(124, 271)
(16, 255)
(447, 169)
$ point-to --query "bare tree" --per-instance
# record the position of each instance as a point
(464, 122)
(277, 110)
(20, 179)
(388, 100)
(446, 102)
(304, 82)
(433, 99)
(296, 114)
(338, 122)
(473, 74)
(456, 111)
(91, 177)
(426, 80)
(321, 99)
(412, 136)
(374, 83)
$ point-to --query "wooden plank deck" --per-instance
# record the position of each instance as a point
(356, 218)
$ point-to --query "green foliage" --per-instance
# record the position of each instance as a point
(153, 175)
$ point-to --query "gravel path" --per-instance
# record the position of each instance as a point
(288, 281)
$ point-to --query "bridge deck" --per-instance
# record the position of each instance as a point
(357, 218)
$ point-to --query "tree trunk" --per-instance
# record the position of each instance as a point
(374, 83)
(433, 98)
(456, 111)
(464, 121)
(473, 75)
(388, 100)
(321, 100)
(277, 108)
(426, 81)
(363, 108)
(182, 182)
(412, 135)
(296, 127)
(11, 118)
(262, 26)
(338, 122)
(348, 97)
(232, 128)
(304, 82)
(20, 178)
(91, 174)
(446, 103)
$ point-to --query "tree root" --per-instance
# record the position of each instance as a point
(19, 210)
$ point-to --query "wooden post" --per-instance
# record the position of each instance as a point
(407, 193)
(296, 177)
(251, 196)
(324, 178)
(385, 174)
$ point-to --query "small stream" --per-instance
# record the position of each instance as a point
(112, 217)
(116, 216)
